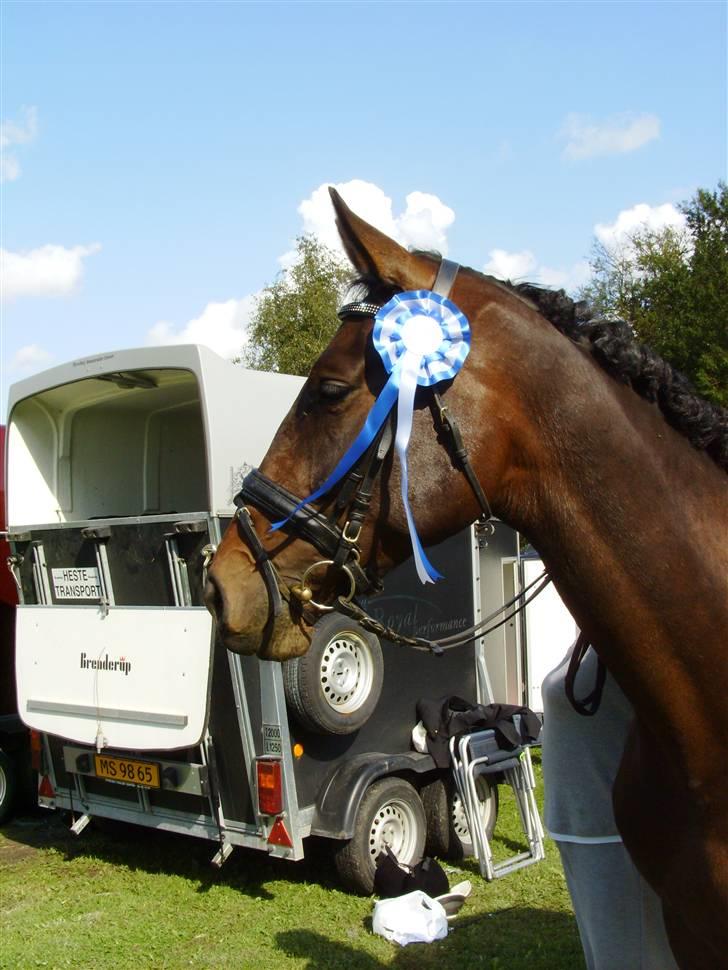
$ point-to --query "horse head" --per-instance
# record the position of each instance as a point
(548, 412)
(329, 412)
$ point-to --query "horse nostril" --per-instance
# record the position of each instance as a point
(213, 598)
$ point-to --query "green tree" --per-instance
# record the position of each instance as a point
(672, 286)
(295, 317)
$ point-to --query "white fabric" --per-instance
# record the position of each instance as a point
(419, 737)
(414, 918)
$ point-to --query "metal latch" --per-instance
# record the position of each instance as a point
(96, 532)
(196, 525)
(14, 563)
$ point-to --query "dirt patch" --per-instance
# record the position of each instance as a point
(22, 838)
(11, 853)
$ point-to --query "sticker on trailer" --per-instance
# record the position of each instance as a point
(77, 583)
(272, 739)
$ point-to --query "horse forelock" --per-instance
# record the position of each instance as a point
(615, 348)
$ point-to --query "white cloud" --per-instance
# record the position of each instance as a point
(586, 138)
(569, 279)
(9, 167)
(15, 133)
(640, 216)
(221, 326)
(32, 357)
(510, 266)
(523, 265)
(46, 271)
(422, 225)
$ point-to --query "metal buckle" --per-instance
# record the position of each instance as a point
(351, 539)
(243, 509)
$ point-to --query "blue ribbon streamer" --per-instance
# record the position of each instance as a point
(375, 419)
(408, 367)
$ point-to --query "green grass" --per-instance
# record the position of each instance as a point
(131, 897)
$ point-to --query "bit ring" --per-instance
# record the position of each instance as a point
(321, 606)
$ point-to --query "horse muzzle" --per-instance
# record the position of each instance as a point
(242, 634)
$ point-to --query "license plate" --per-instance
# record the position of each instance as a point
(127, 770)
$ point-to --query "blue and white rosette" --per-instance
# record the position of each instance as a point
(423, 339)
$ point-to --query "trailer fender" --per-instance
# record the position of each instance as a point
(341, 794)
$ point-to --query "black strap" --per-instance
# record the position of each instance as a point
(460, 454)
(276, 612)
(590, 704)
(357, 505)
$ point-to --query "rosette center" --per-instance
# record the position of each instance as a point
(421, 335)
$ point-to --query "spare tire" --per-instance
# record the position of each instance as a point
(335, 686)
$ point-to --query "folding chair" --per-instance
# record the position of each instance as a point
(478, 753)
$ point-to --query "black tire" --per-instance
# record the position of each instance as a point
(448, 835)
(391, 813)
(8, 786)
(335, 686)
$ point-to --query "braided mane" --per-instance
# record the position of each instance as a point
(614, 345)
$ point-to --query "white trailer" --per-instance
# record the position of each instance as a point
(121, 471)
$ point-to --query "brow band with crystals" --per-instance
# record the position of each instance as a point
(357, 309)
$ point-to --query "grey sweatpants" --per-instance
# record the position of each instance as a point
(619, 916)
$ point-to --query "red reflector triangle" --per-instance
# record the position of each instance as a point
(279, 835)
(45, 789)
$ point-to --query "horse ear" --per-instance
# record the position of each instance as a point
(374, 253)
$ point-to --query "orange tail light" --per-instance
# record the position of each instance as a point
(270, 786)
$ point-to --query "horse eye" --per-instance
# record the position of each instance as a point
(331, 390)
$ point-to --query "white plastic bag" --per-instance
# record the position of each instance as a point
(419, 738)
(414, 918)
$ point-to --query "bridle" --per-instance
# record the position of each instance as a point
(339, 545)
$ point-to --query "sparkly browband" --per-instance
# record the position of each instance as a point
(357, 309)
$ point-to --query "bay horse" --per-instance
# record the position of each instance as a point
(599, 454)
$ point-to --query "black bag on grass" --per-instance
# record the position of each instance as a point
(393, 878)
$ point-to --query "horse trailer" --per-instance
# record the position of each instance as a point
(121, 472)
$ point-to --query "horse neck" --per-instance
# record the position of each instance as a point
(619, 506)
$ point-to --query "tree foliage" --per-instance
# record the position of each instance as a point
(672, 286)
(295, 317)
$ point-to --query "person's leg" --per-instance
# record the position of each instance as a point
(656, 952)
(605, 891)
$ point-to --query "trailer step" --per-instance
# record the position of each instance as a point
(80, 824)
(221, 855)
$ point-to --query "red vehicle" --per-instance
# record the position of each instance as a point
(14, 757)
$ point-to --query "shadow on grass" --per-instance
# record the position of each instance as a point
(156, 851)
(506, 940)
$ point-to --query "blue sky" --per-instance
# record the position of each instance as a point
(159, 159)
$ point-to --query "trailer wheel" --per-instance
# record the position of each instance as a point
(391, 814)
(8, 785)
(448, 834)
(335, 686)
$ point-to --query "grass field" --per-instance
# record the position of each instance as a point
(131, 897)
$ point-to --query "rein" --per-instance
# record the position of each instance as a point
(589, 705)
(340, 545)
(438, 647)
